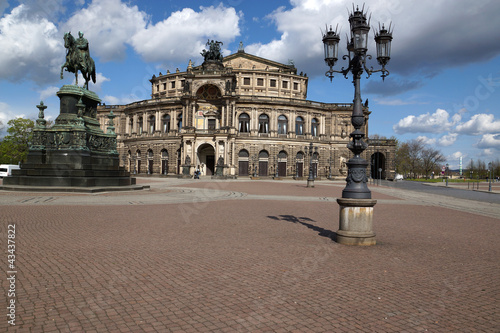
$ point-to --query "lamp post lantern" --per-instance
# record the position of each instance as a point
(356, 187)
(356, 205)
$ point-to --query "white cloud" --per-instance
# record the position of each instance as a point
(488, 152)
(457, 155)
(300, 29)
(48, 92)
(448, 140)
(183, 35)
(109, 26)
(479, 124)
(7, 114)
(437, 122)
(489, 141)
(123, 100)
(415, 22)
(31, 47)
(426, 140)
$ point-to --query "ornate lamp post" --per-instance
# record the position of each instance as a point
(356, 206)
(330, 161)
(356, 187)
(309, 151)
(254, 161)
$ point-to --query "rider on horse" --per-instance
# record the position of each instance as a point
(78, 58)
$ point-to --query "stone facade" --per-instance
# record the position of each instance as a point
(241, 116)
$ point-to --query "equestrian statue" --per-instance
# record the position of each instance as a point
(78, 58)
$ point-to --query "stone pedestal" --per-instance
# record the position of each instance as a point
(74, 152)
(356, 222)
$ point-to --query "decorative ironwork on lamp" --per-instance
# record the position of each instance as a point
(357, 46)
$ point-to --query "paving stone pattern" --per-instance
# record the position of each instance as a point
(219, 262)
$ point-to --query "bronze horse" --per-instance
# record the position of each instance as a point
(78, 59)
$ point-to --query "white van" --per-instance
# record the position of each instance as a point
(6, 169)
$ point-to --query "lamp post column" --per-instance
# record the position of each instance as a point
(356, 205)
(310, 179)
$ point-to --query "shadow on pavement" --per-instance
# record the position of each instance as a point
(304, 221)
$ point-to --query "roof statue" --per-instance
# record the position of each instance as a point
(214, 53)
(78, 58)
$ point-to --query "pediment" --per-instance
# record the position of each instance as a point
(242, 60)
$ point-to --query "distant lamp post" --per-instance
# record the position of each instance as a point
(355, 223)
(309, 151)
(276, 166)
(254, 162)
(490, 169)
(330, 161)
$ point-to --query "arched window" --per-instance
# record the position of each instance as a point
(165, 123)
(152, 124)
(208, 92)
(282, 124)
(243, 153)
(244, 123)
(140, 125)
(131, 125)
(314, 127)
(179, 122)
(263, 123)
(299, 126)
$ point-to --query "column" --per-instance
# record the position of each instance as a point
(134, 127)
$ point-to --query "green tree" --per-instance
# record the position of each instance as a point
(15, 145)
(431, 158)
(415, 158)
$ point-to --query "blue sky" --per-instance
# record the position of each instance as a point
(444, 85)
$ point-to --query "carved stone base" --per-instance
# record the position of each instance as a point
(356, 222)
(73, 152)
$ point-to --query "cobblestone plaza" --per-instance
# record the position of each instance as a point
(248, 256)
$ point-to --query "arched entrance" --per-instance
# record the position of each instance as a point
(150, 162)
(378, 162)
(263, 163)
(138, 161)
(315, 162)
(282, 159)
(243, 162)
(206, 159)
(299, 167)
(164, 162)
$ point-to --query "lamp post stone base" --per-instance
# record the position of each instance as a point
(356, 222)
